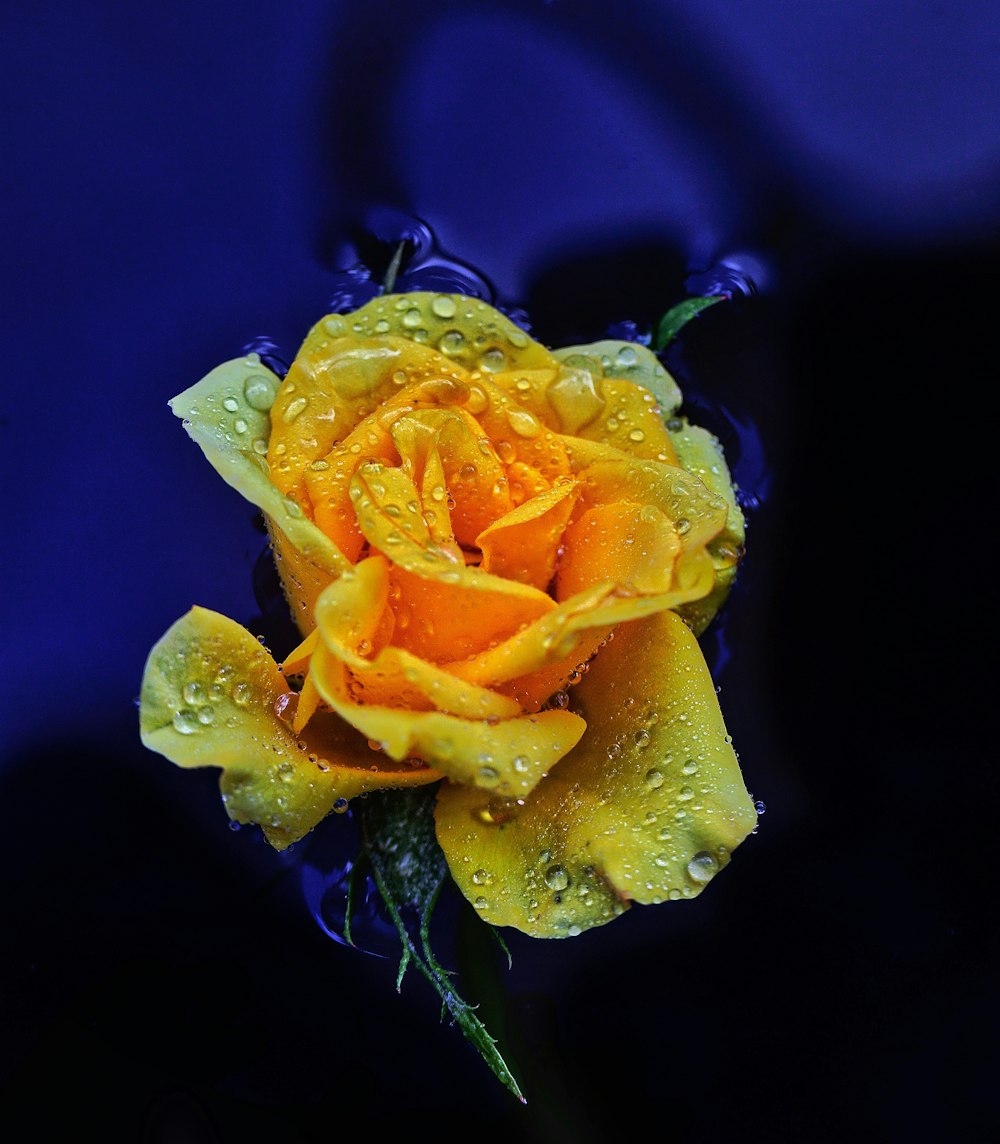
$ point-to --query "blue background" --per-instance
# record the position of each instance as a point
(178, 181)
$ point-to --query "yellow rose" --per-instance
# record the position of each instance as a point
(500, 558)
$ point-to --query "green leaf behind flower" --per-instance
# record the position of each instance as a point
(677, 317)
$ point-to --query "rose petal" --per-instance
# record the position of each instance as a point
(615, 393)
(226, 414)
(210, 697)
(451, 463)
(467, 330)
(566, 635)
(698, 513)
(333, 384)
(648, 807)
(443, 607)
(636, 546)
(523, 544)
(630, 361)
(507, 755)
(700, 453)
(347, 616)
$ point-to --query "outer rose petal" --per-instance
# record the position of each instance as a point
(467, 330)
(629, 360)
(209, 695)
(700, 453)
(226, 413)
(648, 807)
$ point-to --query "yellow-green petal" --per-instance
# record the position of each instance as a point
(228, 414)
(211, 696)
(648, 807)
(700, 452)
(630, 361)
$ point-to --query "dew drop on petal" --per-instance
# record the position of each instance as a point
(556, 877)
(185, 721)
(702, 867)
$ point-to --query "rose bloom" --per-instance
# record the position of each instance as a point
(500, 558)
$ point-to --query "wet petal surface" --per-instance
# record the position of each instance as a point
(648, 807)
(213, 696)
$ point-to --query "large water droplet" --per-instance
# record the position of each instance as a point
(702, 867)
(556, 877)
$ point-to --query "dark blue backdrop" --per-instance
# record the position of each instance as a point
(180, 180)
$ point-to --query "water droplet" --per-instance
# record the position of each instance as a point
(477, 401)
(497, 811)
(192, 693)
(637, 435)
(412, 319)
(293, 409)
(642, 738)
(690, 767)
(339, 805)
(487, 776)
(654, 778)
(506, 452)
(452, 342)
(702, 867)
(556, 877)
(185, 721)
(206, 716)
(480, 877)
(242, 694)
(493, 360)
(259, 391)
(626, 358)
(523, 423)
(444, 307)
(230, 404)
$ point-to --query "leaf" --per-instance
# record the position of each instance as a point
(399, 843)
(678, 316)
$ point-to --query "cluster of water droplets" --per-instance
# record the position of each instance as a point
(199, 701)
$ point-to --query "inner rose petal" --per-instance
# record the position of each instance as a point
(634, 545)
(333, 384)
(523, 545)
(509, 756)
